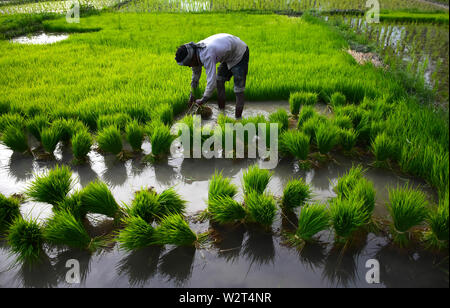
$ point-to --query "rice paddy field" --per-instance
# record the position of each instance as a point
(88, 113)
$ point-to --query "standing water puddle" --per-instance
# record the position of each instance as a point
(40, 38)
(243, 256)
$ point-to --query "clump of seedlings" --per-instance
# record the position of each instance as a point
(281, 117)
(348, 181)
(171, 202)
(313, 219)
(73, 205)
(383, 148)
(25, 238)
(9, 210)
(408, 208)
(118, 120)
(343, 121)
(161, 140)
(165, 113)
(261, 208)
(50, 136)
(297, 99)
(307, 112)
(338, 99)
(296, 193)
(110, 141)
(145, 205)
(51, 187)
(97, 198)
(11, 119)
(174, 230)
(348, 138)
(364, 191)
(256, 179)
(438, 221)
(15, 138)
(221, 187)
(135, 135)
(65, 127)
(81, 145)
(36, 124)
(137, 234)
(326, 136)
(295, 143)
(224, 209)
(205, 112)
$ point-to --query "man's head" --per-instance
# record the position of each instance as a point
(186, 55)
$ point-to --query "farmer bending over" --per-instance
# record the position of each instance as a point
(233, 55)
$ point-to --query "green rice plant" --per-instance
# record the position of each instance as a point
(281, 117)
(9, 210)
(295, 143)
(110, 140)
(256, 179)
(365, 191)
(81, 144)
(408, 208)
(326, 137)
(171, 202)
(338, 99)
(64, 229)
(97, 198)
(347, 215)
(348, 138)
(438, 221)
(135, 135)
(309, 127)
(118, 120)
(161, 140)
(297, 99)
(65, 127)
(11, 119)
(50, 136)
(343, 121)
(165, 113)
(313, 219)
(25, 239)
(261, 207)
(137, 234)
(307, 112)
(296, 193)
(51, 187)
(221, 187)
(224, 209)
(383, 148)
(4, 107)
(15, 139)
(73, 205)
(355, 113)
(349, 180)
(36, 124)
(174, 230)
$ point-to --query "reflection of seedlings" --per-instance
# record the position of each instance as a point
(51, 187)
(228, 240)
(82, 256)
(97, 198)
(135, 135)
(256, 179)
(281, 117)
(14, 138)
(174, 230)
(81, 145)
(259, 247)
(26, 239)
(408, 208)
(438, 221)
(136, 234)
(313, 255)
(295, 194)
(115, 172)
(177, 264)
(36, 124)
(261, 208)
(41, 276)
(295, 143)
(340, 269)
(9, 211)
(21, 166)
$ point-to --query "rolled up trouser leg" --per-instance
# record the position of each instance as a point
(240, 100)
(221, 93)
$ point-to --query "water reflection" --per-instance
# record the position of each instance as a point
(115, 173)
(228, 239)
(82, 256)
(177, 265)
(259, 247)
(21, 166)
(41, 275)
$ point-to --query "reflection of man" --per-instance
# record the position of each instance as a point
(233, 55)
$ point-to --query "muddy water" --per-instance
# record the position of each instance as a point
(243, 257)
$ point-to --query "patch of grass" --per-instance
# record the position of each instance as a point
(347, 216)
(296, 193)
(50, 136)
(11, 119)
(171, 202)
(313, 219)
(97, 198)
(161, 140)
(9, 210)
(166, 114)
(174, 230)
(295, 143)
(81, 144)
(25, 239)
(261, 207)
(326, 137)
(298, 99)
(15, 139)
(137, 234)
(135, 135)
(51, 187)
(307, 112)
(348, 138)
(438, 221)
(36, 124)
(408, 208)
(338, 99)
(109, 140)
(383, 148)
(221, 187)
(256, 179)
(281, 117)
(343, 121)
(348, 181)
(119, 120)
(224, 209)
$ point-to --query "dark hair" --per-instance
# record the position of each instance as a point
(181, 53)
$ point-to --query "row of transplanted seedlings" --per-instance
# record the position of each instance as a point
(158, 218)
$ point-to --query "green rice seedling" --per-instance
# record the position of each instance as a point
(338, 99)
(171, 202)
(165, 113)
(174, 230)
(65, 127)
(281, 117)
(365, 191)
(347, 215)
(11, 119)
(256, 179)
(307, 112)
(343, 121)
(383, 148)
(261, 208)
(97, 198)
(36, 124)
(161, 140)
(25, 239)
(50, 136)
(221, 187)
(438, 221)
(348, 138)
(326, 137)
(224, 209)
(51, 187)
(15, 139)
(145, 205)
(137, 234)
(9, 210)
(355, 113)
(295, 143)
(4, 107)
(408, 208)
(296, 193)
(81, 144)
(363, 128)
(118, 120)
(313, 219)
(349, 180)
(135, 135)
(73, 205)
(309, 127)
(110, 140)
(297, 99)
(64, 229)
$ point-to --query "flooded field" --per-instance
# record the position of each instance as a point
(241, 256)
(40, 38)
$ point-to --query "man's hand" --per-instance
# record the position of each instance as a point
(200, 101)
(191, 98)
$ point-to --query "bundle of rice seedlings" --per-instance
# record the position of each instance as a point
(161, 140)
(365, 191)
(136, 234)
(65, 127)
(118, 120)
(347, 215)
(50, 136)
(36, 124)
(51, 187)
(281, 117)
(171, 202)
(174, 230)
(348, 138)
(348, 181)
(295, 143)
(165, 113)
(408, 208)
(338, 99)
(343, 121)
(224, 209)
(145, 205)
(297, 99)
(64, 229)
(9, 210)
(383, 147)
(313, 219)
(73, 205)
(15, 139)
(97, 198)
(326, 136)
(81, 144)
(25, 239)
(109, 140)
(11, 119)
(296, 193)
(256, 179)
(306, 113)
(135, 135)
(221, 187)
(438, 221)
(261, 208)
(355, 113)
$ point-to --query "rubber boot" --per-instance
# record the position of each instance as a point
(239, 105)
(221, 94)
